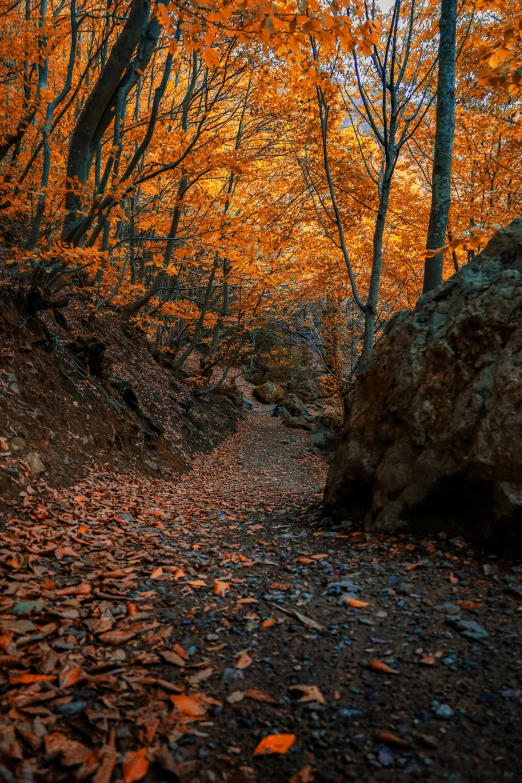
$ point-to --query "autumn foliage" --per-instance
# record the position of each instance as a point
(208, 168)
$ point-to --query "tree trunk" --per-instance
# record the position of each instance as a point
(444, 132)
(80, 156)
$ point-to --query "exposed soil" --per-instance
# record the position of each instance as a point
(142, 621)
(75, 420)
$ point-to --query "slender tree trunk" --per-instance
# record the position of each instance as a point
(442, 158)
(101, 96)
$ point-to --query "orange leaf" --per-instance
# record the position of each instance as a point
(310, 693)
(391, 739)
(181, 652)
(428, 660)
(117, 637)
(379, 666)
(157, 572)
(275, 743)
(269, 622)
(187, 705)
(319, 557)
(354, 602)
(70, 676)
(261, 696)
(16, 678)
(244, 661)
(135, 765)
(414, 566)
(221, 588)
(82, 589)
(305, 775)
(305, 560)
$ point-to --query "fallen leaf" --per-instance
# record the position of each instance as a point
(70, 676)
(428, 660)
(305, 775)
(355, 602)
(310, 693)
(236, 697)
(379, 666)
(391, 739)
(188, 705)
(24, 678)
(171, 657)
(275, 743)
(135, 765)
(156, 573)
(243, 661)
(261, 696)
(117, 637)
(221, 588)
(269, 622)
(414, 566)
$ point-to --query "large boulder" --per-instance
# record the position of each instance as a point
(268, 393)
(307, 389)
(294, 405)
(434, 436)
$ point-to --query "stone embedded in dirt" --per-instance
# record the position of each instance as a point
(294, 405)
(468, 628)
(36, 465)
(268, 393)
(18, 445)
(448, 608)
(444, 712)
(280, 412)
(433, 436)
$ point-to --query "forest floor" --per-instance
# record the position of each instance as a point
(160, 631)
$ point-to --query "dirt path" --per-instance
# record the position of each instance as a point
(160, 632)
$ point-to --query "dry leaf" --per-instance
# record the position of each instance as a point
(135, 765)
(243, 661)
(188, 705)
(275, 743)
(310, 693)
(117, 637)
(355, 602)
(221, 588)
(379, 666)
(391, 739)
(261, 696)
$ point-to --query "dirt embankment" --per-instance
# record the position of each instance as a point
(108, 398)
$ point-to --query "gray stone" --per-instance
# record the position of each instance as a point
(468, 628)
(435, 424)
(18, 445)
(444, 712)
(36, 465)
(294, 405)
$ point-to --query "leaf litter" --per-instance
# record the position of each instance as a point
(152, 629)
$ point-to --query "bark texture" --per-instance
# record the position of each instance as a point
(443, 152)
(433, 437)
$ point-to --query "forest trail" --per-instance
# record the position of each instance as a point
(160, 632)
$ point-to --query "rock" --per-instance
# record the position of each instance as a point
(468, 628)
(444, 712)
(151, 464)
(36, 465)
(298, 423)
(448, 608)
(231, 392)
(307, 389)
(268, 393)
(281, 412)
(433, 435)
(18, 445)
(294, 405)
